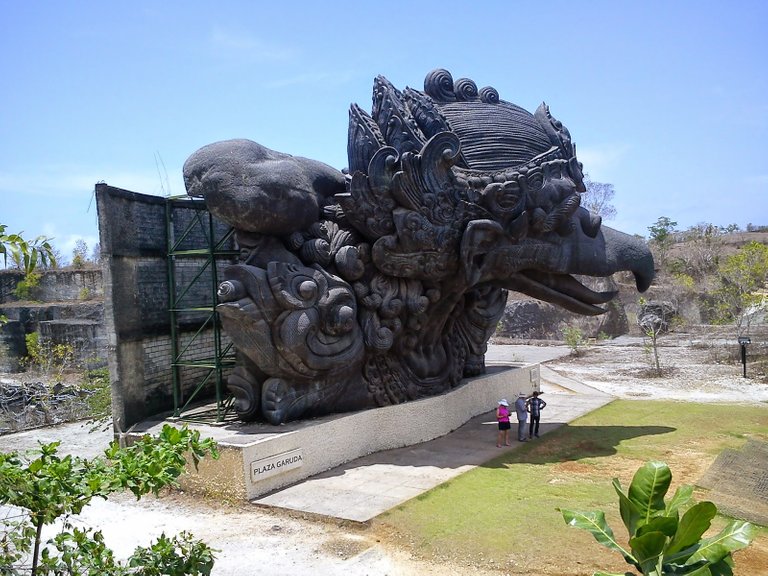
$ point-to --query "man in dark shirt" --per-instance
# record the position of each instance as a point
(535, 405)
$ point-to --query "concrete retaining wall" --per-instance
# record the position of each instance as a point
(326, 443)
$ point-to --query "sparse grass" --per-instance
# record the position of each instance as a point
(503, 514)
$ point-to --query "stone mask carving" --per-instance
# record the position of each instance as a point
(384, 285)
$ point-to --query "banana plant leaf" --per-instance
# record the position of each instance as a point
(594, 523)
(648, 488)
(694, 523)
(735, 536)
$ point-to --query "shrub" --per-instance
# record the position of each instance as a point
(26, 289)
(52, 360)
(573, 338)
(50, 487)
(97, 384)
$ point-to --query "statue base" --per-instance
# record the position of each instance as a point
(257, 459)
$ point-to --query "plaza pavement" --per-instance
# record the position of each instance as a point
(364, 488)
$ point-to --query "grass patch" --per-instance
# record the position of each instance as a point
(503, 514)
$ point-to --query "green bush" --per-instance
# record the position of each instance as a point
(52, 360)
(50, 487)
(26, 289)
(573, 338)
(97, 384)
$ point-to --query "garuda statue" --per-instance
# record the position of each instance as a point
(382, 284)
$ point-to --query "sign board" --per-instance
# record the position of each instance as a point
(277, 464)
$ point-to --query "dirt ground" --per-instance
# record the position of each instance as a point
(254, 540)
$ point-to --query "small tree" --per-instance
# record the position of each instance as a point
(573, 338)
(96, 253)
(661, 236)
(654, 319)
(50, 488)
(661, 543)
(743, 277)
(79, 254)
(598, 198)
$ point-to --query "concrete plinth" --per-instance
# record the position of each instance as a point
(259, 458)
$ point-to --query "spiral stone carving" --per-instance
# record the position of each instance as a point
(465, 89)
(489, 95)
(439, 85)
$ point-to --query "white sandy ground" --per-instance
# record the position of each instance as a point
(252, 541)
(623, 368)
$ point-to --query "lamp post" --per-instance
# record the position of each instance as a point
(743, 341)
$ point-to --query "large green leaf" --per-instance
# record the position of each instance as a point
(694, 523)
(630, 514)
(667, 525)
(735, 536)
(681, 497)
(594, 522)
(648, 550)
(648, 488)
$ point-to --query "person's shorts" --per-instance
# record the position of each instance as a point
(504, 426)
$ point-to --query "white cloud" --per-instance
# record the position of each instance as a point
(335, 78)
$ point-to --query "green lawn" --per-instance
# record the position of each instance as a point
(504, 513)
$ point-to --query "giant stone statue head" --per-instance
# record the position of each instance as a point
(384, 285)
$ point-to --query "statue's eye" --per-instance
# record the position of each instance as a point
(307, 290)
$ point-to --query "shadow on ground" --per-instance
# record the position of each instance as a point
(568, 443)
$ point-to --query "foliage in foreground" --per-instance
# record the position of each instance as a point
(51, 488)
(26, 254)
(661, 543)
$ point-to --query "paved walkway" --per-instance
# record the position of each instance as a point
(368, 486)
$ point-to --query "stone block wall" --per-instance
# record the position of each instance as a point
(135, 240)
(66, 308)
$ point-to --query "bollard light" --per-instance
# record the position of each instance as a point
(743, 341)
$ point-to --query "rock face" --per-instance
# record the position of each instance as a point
(68, 308)
(529, 319)
(655, 316)
(384, 285)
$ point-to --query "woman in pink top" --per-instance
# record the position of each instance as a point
(502, 415)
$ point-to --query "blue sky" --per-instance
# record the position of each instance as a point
(667, 101)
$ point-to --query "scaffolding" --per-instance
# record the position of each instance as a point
(196, 244)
